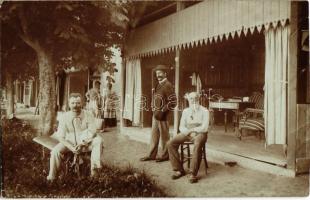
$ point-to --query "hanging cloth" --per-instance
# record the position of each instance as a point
(133, 90)
(276, 65)
(194, 79)
(198, 85)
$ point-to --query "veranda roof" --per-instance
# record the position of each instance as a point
(208, 21)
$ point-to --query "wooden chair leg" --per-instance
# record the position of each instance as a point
(43, 153)
(182, 154)
(188, 156)
(66, 166)
(77, 170)
(240, 134)
(205, 158)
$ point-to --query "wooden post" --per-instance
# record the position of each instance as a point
(20, 92)
(122, 88)
(292, 87)
(180, 6)
(57, 92)
(88, 79)
(302, 139)
(69, 82)
(177, 91)
(24, 92)
(36, 90)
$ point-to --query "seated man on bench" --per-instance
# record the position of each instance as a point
(194, 125)
(76, 132)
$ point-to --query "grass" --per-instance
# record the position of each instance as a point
(24, 172)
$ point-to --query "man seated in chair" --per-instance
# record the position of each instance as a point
(76, 133)
(193, 127)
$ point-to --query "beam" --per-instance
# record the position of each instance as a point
(122, 88)
(177, 92)
(292, 87)
(159, 11)
(180, 6)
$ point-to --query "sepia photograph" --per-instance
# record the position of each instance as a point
(154, 98)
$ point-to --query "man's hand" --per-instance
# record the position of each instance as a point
(192, 134)
(75, 149)
(78, 148)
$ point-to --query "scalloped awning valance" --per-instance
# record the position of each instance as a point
(210, 20)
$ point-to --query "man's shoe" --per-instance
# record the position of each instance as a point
(146, 158)
(161, 159)
(193, 179)
(178, 174)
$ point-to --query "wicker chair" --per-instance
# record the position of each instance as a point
(253, 118)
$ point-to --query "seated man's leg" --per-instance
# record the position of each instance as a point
(199, 141)
(96, 154)
(172, 147)
(55, 160)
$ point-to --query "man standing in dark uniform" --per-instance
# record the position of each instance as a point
(163, 100)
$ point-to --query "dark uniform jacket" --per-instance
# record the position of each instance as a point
(164, 100)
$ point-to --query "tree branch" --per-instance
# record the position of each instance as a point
(24, 29)
(32, 43)
(23, 22)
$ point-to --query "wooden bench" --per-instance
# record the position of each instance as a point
(48, 142)
(70, 160)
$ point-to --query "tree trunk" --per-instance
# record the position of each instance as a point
(10, 95)
(47, 98)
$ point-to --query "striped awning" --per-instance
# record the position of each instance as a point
(208, 21)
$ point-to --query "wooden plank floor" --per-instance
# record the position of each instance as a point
(219, 140)
(249, 147)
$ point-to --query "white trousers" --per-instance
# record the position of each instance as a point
(95, 159)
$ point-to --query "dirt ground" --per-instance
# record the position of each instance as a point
(221, 181)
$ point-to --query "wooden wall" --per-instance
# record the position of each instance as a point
(75, 82)
(78, 83)
(238, 69)
(147, 64)
(233, 67)
(303, 138)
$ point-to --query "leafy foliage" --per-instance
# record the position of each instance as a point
(77, 33)
(17, 58)
(66, 34)
(24, 172)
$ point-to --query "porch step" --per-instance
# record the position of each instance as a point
(216, 156)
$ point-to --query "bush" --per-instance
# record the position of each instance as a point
(24, 172)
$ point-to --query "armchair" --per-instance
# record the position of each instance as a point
(253, 118)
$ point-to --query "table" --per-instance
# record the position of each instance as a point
(230, 105)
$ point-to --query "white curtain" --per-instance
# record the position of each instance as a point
(133, 91)
(198, 85)
(276, 64)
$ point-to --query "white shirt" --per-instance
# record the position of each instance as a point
(76, 131)
(198, 118)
